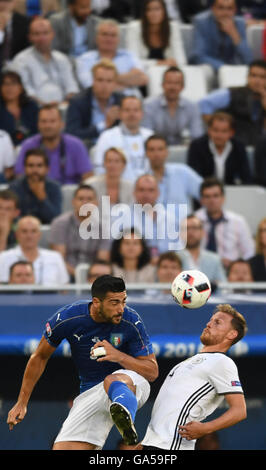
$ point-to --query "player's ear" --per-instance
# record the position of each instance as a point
(232, 335)
(96, 302)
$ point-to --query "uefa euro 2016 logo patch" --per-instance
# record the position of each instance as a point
(48, 329)
(116, 339)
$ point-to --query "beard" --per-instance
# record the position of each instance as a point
(114, 319)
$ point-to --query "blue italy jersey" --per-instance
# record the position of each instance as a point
(74, 323)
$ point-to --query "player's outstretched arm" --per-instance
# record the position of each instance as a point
(236, 412)
(33, 372)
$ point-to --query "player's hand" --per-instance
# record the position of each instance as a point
(192, 430)
(16, 415)
(112, 354)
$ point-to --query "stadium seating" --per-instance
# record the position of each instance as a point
(44, 241)
(67, 195)
(81, 271)
(254, 38)
(187, 31)
(232, 75)
(248, 201)
(195, 81)
(177, 154)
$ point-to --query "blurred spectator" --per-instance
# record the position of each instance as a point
(9, 213)
(240, 271)
(129, 136)
(220, 36)
(47, 74)
(7, 157)
(253, 10)
(18, 112)
(65, 235)
(95, 109)
(21, 272)
(74, 28)
(178, 183)
(246, 104)
(226, 232)
(131, 259)
(170, 114)
(37, 7)
(258, 262)
(49, 267)
(260, 162)
(130, 74)
(98, 268)
(156, 224)
(38, 195)
(189, 9)
(120, 10)
(168, 267)
(69, 161)
(194, 256)
(13, 32)
(111, 183)
(219, 154)
(154, 38)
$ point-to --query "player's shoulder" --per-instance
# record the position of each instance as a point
(71, 311)
(131, 317)
(220, 360)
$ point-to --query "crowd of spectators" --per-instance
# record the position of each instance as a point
(76, 112)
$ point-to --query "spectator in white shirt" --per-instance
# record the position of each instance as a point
(7, 157)
(49, 267)
(47, 74)
(129, 136)
(226, 232)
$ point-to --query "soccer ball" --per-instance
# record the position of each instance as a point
(191, 289)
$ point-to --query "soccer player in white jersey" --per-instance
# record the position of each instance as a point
(194, 388)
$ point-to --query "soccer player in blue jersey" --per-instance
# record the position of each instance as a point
(112, 387)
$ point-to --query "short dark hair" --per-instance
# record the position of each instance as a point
(9, 195)
(38, 152)
(84, 186)
(238, 321)
(107, 283)
(209, 183)
(21, 262)
(102, 262)
(222, 116)
(155, 137)
(175, 69)
(171, 256)
(257, 63)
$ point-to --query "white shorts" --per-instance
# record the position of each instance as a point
(89, 419)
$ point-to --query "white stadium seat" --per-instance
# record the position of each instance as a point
(81, 272)
(195, 81)
(232, 75)
(254, 38)
(248, 201)
(187, 31)
(177, 154)
(67, 195)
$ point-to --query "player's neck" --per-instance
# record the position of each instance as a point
(214, 348)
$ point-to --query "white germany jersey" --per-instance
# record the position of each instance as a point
(191, 391)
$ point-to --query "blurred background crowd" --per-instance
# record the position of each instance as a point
(148, 102)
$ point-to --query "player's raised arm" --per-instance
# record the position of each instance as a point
(33, 372)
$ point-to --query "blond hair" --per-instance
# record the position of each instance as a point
(238, 321)
(104, 64)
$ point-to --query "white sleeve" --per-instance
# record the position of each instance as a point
(54, 270)
(7, 152)
(246, 241)
(224, 377)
